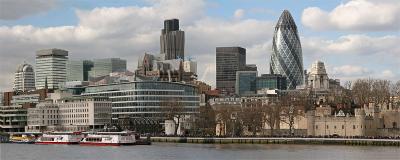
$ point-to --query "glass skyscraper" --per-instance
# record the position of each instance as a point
(245, 82)
(103, 67)
(229, 60)
(286, 58)
(172, 40)
(78, 70)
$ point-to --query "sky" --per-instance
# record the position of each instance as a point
(354, 38)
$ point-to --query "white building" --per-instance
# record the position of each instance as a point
(24, 78)
(51, 66)
(190, 66)
(318, 78)
(70, 113)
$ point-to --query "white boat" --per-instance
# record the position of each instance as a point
(108, 139)
(60, 138)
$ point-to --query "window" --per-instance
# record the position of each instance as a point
(327, 126)
(316, 126)
(354, 126)
(342, 126)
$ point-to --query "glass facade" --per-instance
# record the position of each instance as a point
(229, 60)
(146, 99)
(78, 70)
(51, 64)
(103, 67)
(245, 82)
(271, 81)
(286, 58)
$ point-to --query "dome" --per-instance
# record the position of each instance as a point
(25, 68)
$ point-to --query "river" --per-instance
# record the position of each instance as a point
(173, 151)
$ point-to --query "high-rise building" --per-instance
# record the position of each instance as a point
(318, 78)
(229, 60)
(103, 67)
(271, 81)
(286, 58)
(78, 70)
(172, 40)
(24, 78)
(245, 82)
(51, 65)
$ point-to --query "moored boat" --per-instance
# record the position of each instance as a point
(108, 139)
(22, 138)
(60, 138)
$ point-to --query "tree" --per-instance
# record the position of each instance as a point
(205, 121)
(293, 105)
(252, 115)
(174, 110)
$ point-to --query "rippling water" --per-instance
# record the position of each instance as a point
(196, 151)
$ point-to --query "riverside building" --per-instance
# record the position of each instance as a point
(146, 101)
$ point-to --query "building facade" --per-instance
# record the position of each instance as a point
(245, 82)
(24, 78)
(51, 67)
(229, 60)
(286, 57)
(103, 67)
(172, 40)
(146, 101)
(271, 81)
(318, 78)
(70, 114)
(78, 70)
(13, 118)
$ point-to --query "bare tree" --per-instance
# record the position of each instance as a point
(205, 122)
(174, 110)
(252, 115)
(293, 105)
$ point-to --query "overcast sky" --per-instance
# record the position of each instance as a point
(355, 38)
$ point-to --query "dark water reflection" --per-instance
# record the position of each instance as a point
(171, 151)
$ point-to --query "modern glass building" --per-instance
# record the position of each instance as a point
(172, 40)
(229, 60)
(245, 82)
(271, 81)
(146, 100)
(286, 58)
(78, 70)
(51, 64)
(103, 67)
(24, 78)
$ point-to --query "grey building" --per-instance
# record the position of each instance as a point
(103, 67)
(51, 64)
(286, 57)
(245, 82)
(24, 78)
(229, 60)
(172, 40)
(78, 70)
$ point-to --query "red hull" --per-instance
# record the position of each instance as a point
(103, 144)
(57, 143)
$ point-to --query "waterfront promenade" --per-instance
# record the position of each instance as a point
(278, 140)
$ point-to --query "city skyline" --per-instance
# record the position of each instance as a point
(351, 46)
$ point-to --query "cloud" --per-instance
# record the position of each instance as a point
(128, 32)
(353, 44)
(355, 15)
(239, 13)
(16, 9)
(351, 71)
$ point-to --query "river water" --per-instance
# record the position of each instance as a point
(158, 151)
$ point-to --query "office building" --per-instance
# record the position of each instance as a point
(78, 70)
(229, 60)
(51, 68)
(103, 67)
(146, 102)
(13, 118)
(271, 82)
(172, 40)
(245, 82)
(286, 57)
(24, 78)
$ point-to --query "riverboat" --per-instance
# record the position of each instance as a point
(60, 138)
(108, 139)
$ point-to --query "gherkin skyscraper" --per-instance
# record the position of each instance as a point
(286, 58)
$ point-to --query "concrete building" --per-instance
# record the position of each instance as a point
(245, 82)
(190, 66)
(172, 40)
(13, 118)
(78, 70)
(229, 60)
(103, 67)
(286, 57)
(24, 78)
(65, 112)
(51, 66)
